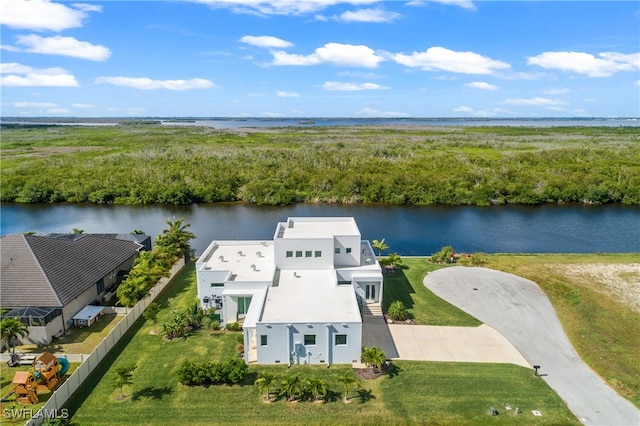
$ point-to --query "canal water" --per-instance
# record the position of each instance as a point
(408, 230)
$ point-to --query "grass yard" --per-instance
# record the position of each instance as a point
(416, 393)
(602, 326)
(425, 307)
(79, 340)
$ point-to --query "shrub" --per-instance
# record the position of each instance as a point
(192, 373)
(397, 311)
(475, 259)
(233, 326)
(444, 255)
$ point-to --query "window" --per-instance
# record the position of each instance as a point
(289, 253)
(243, 305)
(263, 340)
(318, 253)
(337, 250)
(307, 253)
(348, 249)
(309, 339)
(344, 282)
(299, 253)
(217, 284)
(341, 339)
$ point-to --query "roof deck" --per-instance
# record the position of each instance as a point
(310, 296)
(247, 260)
(327, 227)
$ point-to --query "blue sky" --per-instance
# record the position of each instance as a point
(320, 58)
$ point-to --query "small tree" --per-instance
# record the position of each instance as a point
(348, 380)
(317, 387)
(124, 377)
(397, 311)
(12, 328)
(151, 314)
(379, 245)
(373, 357)
(264, 382)
(290, 387)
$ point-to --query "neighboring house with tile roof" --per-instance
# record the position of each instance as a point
(46, 280)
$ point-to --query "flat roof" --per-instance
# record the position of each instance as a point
(88, 312)
(310, 296)
(317, 227)
(247, 260)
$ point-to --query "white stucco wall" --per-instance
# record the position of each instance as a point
(324, 245)
(286, 344)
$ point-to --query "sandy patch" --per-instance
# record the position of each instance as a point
(622, 281)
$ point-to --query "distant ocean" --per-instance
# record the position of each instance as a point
(232, 123)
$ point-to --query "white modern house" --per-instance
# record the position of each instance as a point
(299, 296)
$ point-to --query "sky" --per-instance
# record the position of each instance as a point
(319, 58)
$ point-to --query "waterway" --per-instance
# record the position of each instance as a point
(408, 230)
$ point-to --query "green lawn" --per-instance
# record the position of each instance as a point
(425, 307)
(416, 392)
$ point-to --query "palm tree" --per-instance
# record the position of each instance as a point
(380, 246)
(348, 379)
(177, 237)
(317, 387)
(264, 382)
(78, 231)
(12, 328)
(373, 356)
(290, 387)
(137, 232)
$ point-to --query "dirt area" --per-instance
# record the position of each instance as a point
(621, 281)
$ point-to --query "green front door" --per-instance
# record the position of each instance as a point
(243, 305)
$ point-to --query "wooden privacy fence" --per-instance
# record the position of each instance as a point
(53, 407)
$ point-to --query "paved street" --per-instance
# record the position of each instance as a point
(521, 312)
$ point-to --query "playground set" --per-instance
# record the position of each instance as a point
(46, 374)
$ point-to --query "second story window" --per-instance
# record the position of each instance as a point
(307, 253)
(348, 249)
(289, 253)
(299, 253)
(337, 251)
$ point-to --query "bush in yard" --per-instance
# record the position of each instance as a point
(230, 372)
(373, 357)
(233, 326)
(397, 311)
(444, 255)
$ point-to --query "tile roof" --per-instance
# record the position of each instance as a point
(41, 271)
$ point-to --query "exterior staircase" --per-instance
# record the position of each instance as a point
(372, 312)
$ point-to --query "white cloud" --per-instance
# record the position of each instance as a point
(284, 94)
(144, 83)
(351, 87)
(346, 55)
(369, 112)
(18, 75)
(279, 7)
(369, 15)
(556, 91)
(43, 15)
(440, 58)
(481, 85)
(266, 41)
(465, 4)
(463, 108)
(537, 101)
(607, 64)
(34, 105)
(66, 46)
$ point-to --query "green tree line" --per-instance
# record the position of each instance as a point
(455, 166)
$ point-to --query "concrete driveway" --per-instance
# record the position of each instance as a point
(517, 308)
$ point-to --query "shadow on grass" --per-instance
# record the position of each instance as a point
(398, 287)
(393, 370)
(151, 393)
(365, 395)
(332, 396)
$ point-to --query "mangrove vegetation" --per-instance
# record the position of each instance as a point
(142, 163)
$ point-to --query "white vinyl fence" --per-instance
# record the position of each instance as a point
(53, 407)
